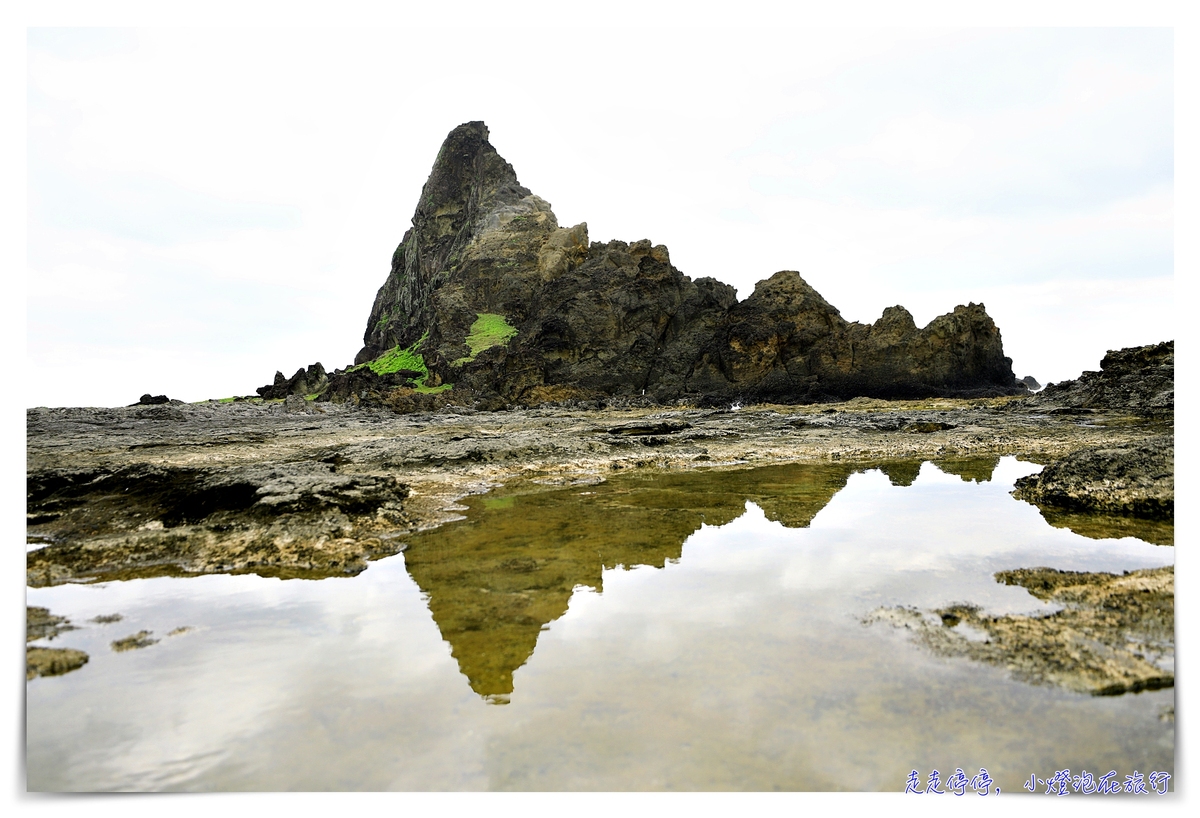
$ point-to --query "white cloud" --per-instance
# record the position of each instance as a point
(257, 181)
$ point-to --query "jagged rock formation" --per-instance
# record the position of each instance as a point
(1138, 379)
(1112, 490)
(305, 382)
(488, 295)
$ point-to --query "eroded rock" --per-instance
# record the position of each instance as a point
(1135, 479)
(1116, 633)
(489, 296)
(43, 661)
(277, 519)
(1136, 379)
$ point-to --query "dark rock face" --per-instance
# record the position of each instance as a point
(502, 303)
(1137, 379)
(1031, 383)
(1136, 479)
(305, 382)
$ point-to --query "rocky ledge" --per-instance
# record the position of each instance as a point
(1115, 633)
(319, 489)
(1136, 379)
(490, 303)
(1136, 479)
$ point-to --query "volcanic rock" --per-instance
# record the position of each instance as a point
(489, 296)
(1031, 383)
(305, 382)
(1114, 634)
(1136, 479)
(1137, 379)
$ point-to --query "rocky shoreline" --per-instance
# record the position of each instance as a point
(116, 493)
(504, 348)
(295, 488)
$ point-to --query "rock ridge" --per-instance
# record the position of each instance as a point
(490, 299)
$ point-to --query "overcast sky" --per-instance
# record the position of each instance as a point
(206, 206)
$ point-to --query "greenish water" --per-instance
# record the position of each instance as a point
(688, 631)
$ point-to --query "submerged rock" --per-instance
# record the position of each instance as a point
(1116, 633)
(136, 641)
(42, 661)
(52, 661)
(41, 624)
(488, 295)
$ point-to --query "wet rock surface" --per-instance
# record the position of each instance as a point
(141, 639)
(52, 661)
(250, 487)
(43, 661)
(1133, 479)
(1115, 633)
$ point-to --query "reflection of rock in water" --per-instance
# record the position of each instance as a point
(497, 578)
(978, 470)
(902, 472)
(1126, 490)
(1111, 526)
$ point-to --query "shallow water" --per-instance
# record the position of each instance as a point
(680, 631)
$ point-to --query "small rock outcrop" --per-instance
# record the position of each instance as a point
(43, 661)
(1031, 383)
(309, 381)
(1113, 634)
(490, 297)
(1136, 479)
(1136, 379)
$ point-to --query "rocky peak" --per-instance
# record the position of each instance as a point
(489, 296)
(470, 188)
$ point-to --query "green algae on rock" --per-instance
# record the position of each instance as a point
(513, 308)
(489, 330)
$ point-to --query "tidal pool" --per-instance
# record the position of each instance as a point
(686, 631)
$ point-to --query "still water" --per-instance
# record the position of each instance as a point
(674, 631)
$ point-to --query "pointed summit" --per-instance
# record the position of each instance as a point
(487, 296)
(469, 180)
